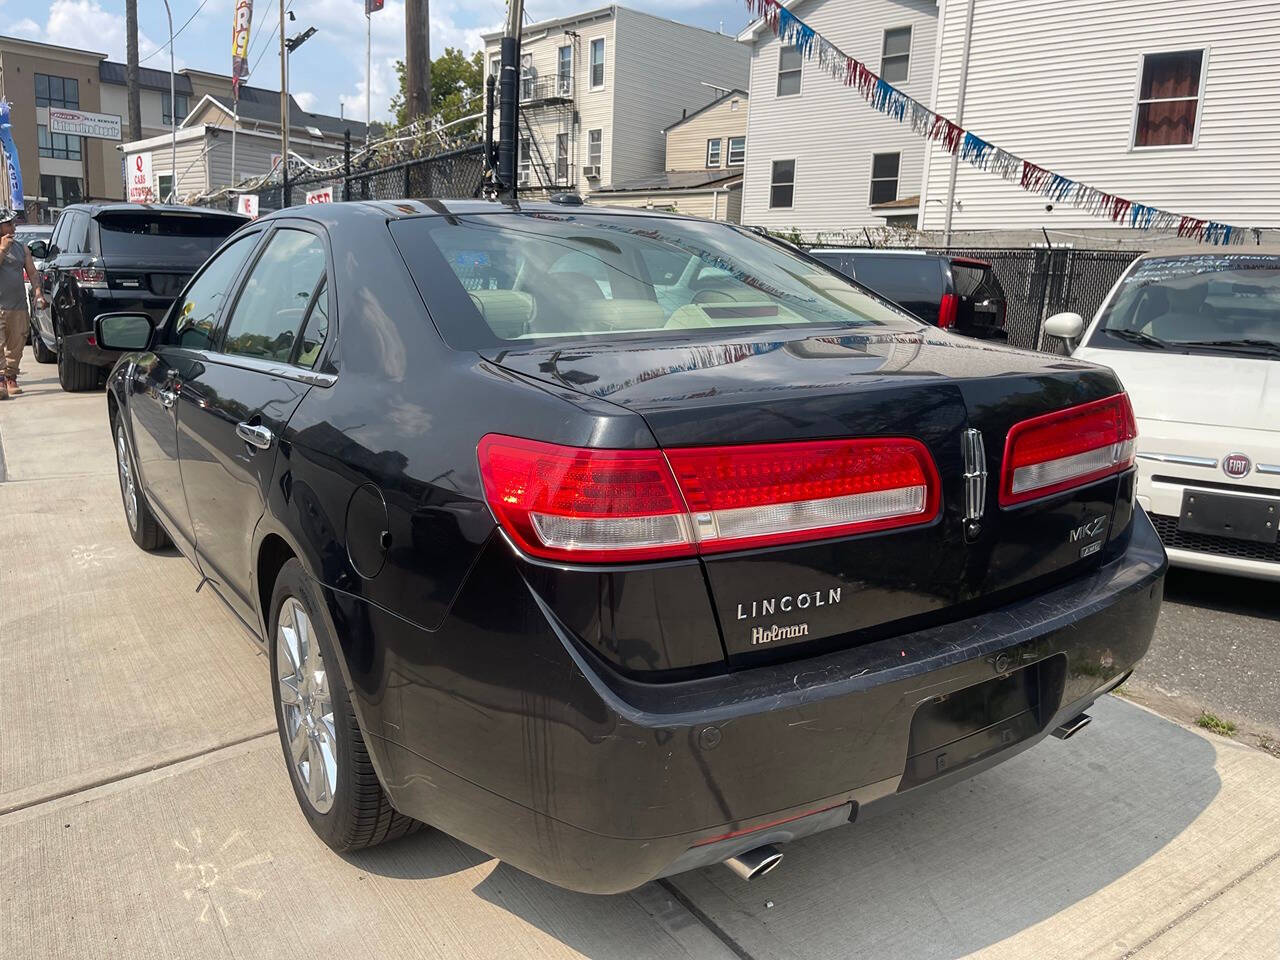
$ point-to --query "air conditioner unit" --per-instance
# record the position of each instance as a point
(591, 172)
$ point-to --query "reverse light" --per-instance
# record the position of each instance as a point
(93, 278)
(588, 505)
(948, 310)
(1067, 449)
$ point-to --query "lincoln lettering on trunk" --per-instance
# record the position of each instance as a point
(770, 606)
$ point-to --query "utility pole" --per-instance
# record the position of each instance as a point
(417, 58)
(284, 114)
(964, 85)
(131, 69)
(509, 101)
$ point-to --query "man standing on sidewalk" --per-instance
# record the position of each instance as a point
(14, 320)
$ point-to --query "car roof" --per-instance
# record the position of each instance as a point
(1215, 253)
(94, 209)
(337, 213)
(875, 251)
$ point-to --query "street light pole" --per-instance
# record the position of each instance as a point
(173, 114)
(284, 114)
(964, 84)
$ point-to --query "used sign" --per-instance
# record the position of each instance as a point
(103, 126)
(323, 195)
(247, 203)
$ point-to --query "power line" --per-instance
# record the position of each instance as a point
(279, 27)
(176, 35)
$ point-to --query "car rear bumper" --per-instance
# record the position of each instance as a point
(83, 348)
(500, 729)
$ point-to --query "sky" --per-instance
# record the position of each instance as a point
(328, 71)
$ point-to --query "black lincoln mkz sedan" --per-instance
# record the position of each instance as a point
(617, 544)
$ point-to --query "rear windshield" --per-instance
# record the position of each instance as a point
(1201, 304)
(502, 278)
(166, 236)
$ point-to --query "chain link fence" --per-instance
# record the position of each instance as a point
(1039, 282)
(453, 173)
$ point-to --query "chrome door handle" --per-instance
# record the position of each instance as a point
(167, 398)
(255, 436)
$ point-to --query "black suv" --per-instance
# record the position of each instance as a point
(951, 292)
(117, 256)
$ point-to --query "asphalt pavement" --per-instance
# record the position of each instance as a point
(145, 810)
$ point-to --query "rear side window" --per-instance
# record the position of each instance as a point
(196, 317)
(970, 281)
(901, 277)
(281, 287)
(172, 236)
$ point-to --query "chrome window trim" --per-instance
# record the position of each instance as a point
(1186, 461)
(272, 368)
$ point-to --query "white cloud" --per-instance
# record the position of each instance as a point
(306, 99)
(85, 25)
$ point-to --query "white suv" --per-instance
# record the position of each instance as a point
(1195, 338)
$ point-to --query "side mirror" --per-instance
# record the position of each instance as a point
(1068, 326)
(39, 249)
(124, 331)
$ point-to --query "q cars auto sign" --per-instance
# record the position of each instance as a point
(138, 179)
(102, 126)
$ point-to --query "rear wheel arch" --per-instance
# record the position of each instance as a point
(273, 553)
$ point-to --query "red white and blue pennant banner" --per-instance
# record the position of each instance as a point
(895, 104)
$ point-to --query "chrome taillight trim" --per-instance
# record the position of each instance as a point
(975, 473)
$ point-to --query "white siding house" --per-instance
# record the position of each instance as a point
(811, 128)
(1170, 103)
(600, 86)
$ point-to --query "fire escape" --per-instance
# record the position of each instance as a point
(546, 124)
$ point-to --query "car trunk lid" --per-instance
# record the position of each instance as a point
(785, 386)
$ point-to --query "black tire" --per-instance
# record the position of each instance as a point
(77, 377)
(361, 815)
(142, 523)
(43, 353)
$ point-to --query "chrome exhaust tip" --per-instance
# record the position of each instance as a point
(1072, 727)
(755, 863)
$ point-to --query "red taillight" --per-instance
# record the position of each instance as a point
(783, 492)
(92, 277)
(582, 504)
(1068, 448)
(948, 310)
(588, 505)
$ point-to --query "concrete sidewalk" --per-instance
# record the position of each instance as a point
(145, 810)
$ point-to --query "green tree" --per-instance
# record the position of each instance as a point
(456, 84)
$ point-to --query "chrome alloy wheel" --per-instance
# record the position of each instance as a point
(306, 706)
(127, 488)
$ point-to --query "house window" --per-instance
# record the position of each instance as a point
(60, 191)
(181, 100)
(164, 186)
(884, 177)
(57, 146)
(57, 91)
(1169, 99)
(495, 68)
(526, 76)
(713, 153)
(737, 151)
(597, 63)
(895, 55)
(564, 71)
(562, 158)
(595, 144)
(782, 185)
(526, 164)
(789, 61)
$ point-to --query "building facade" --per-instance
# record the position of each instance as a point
(59, 169)
(1169, 103)
(818, 158)
(598, 88)
(702, 174)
